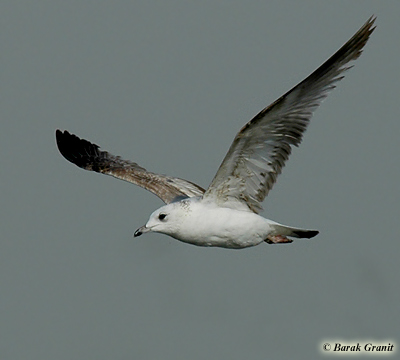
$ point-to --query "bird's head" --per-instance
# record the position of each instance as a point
(166, 220)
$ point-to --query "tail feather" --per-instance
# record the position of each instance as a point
(294, 232)
(300, 233)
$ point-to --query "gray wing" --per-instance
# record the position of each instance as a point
(260, 149)
(88, 156)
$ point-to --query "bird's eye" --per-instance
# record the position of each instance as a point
(162, 216)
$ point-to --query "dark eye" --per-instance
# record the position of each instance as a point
(162, 216)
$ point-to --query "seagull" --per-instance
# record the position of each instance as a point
(227, 213)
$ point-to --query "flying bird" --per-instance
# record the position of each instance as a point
(226, 214)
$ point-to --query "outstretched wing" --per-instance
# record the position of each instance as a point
(260, 149)
(88, 156)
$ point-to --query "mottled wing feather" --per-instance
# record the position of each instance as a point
(261, 148)
(88, 156)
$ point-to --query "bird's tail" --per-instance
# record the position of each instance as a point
(293, 232)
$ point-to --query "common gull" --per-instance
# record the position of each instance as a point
(227, 213)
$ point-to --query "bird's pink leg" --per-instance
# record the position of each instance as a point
(277, 239)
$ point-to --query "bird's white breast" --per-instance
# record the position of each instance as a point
(206, 224)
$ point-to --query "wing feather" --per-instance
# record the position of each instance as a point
(260, 149)
(88, 156)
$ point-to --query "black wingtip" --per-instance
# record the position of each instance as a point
(78, 151)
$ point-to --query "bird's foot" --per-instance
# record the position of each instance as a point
(277, 239)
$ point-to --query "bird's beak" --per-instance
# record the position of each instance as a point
(141, 230)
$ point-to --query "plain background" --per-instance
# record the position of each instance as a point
(168, 84)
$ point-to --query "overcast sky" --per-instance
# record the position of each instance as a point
(168, 84)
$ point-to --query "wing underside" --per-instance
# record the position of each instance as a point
(88, 156)
(261, 148)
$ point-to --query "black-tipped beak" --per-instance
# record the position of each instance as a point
(137, 233)
(141, 230)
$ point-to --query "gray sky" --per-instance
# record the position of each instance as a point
(169, 84)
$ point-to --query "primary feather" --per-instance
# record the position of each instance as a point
(261, 148)
(88, 156)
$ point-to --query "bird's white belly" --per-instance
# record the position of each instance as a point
(223, 227)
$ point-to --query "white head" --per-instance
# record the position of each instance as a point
(166, 220)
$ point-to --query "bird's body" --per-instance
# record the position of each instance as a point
(204, 224)
(200, 222)
(226, 213)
